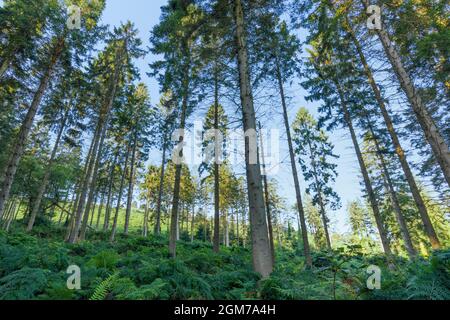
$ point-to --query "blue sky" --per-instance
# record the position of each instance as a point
(145, 14)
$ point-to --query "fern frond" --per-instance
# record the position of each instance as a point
(101, 291)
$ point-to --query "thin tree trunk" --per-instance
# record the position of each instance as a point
(20, 143)
(301, 213)
(279, 233)
(395, 203)
(93, 208)
(160, 191)
(192, 222)
(78, 195)
(145, 224)
(429, 229)
(237, 229)
(174, 227)
(130, 186)
(100, 209)
(78, 212)
(367, 182)
(216, 241)
(110, 189)
(178, 229)
(9, 208)
(71, 214)
(4, 67)
(262, 258)
(93, 183)
(319, 193)
(438, 144)
(102, 122)
(13, 216)
(244, 232)
(45, 180)
(266, 197)
(64, 205)
(226, 238)
(122, 182)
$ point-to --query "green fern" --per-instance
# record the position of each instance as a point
(23, 284)
(101, 291)
(432, 280)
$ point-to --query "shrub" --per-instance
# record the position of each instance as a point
(106, 259)
(23, 284)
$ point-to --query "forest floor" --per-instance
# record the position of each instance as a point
(34, 266)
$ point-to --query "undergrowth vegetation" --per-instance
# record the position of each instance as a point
(136, 268)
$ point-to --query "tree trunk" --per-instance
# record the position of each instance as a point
(262, 258)
(395, 203)
(367, 182)
(110, 191)
(71, 215)
(93, 208)
(429, 229)
(102, 122)
(237, 229)
(266, 197)
(130, 186)
(122, 182)
(9, 208)
(14, 214)
(100, 209)
(145, 224)
(438, 144)
(4, 67)
(226, 233)
(93, 184)
(20, 143)
(78, 213)
(174, 223)
(301, 212)
(192, 222)
(319, 194)
(216, 241)
(160, 191)
(45, 180)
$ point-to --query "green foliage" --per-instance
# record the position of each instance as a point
(137, 268)
(101, 291)
(105, 259)
(431, 281)
(23, 284)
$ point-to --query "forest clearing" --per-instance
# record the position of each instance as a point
(225, 150)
